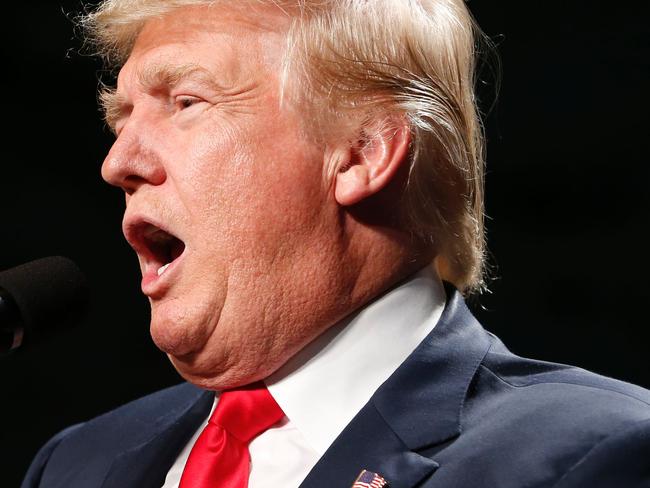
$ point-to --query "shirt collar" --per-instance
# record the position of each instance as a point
(323, 387)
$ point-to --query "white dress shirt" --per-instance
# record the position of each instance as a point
(325, 385)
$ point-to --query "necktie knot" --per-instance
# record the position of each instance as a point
(220, 455)
(246, 412)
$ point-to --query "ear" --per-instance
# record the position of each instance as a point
(374, 160)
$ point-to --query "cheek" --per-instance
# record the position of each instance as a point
(251, 191)
(261, 182)
(286, 179)
(209, 174)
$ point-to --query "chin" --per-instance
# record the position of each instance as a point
(216, 375)
(225, 364)
(176, 334)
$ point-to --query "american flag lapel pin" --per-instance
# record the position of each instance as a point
(368, 479)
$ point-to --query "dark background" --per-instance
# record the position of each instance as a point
(566, 195)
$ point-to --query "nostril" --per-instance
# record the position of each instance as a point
(131, 183)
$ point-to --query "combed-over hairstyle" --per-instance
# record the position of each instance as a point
(415, 58)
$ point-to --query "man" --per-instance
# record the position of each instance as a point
(300, 178)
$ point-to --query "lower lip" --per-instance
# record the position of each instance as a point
(153, 285)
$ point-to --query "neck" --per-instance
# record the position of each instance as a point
(376, 258)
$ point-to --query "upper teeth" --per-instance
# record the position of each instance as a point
(162, 269)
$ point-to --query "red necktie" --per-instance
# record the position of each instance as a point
(220, 457)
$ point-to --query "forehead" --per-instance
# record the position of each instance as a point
(230, 41)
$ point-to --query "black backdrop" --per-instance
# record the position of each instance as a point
(566, 195)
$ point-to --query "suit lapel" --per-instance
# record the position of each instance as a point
(368, 443)
(147, 460)
(418, 407)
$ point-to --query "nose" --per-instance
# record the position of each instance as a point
(133, 161)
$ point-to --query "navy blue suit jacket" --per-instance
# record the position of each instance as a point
(461, 411)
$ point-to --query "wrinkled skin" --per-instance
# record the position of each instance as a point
(271, 259)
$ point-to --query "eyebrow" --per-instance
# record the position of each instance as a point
(152, 78)
(112, 105)
(155, 76)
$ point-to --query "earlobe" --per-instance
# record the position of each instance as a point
(374, 161)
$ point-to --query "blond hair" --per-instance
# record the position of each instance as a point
(412, 57)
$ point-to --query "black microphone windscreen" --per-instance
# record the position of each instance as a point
(47, 291)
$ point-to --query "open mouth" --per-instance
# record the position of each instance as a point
(163, 247)
(156, 246)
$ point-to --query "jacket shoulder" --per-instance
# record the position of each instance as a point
(134, 421)
(620, 459)
(86, 451)
(555, 424)
(35, 471)
(560, 385)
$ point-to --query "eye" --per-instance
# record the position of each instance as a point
(186, 102)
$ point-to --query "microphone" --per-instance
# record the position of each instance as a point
(39, 297)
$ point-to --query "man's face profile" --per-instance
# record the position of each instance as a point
(216, 176)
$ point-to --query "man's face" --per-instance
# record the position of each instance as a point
(228, 206)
